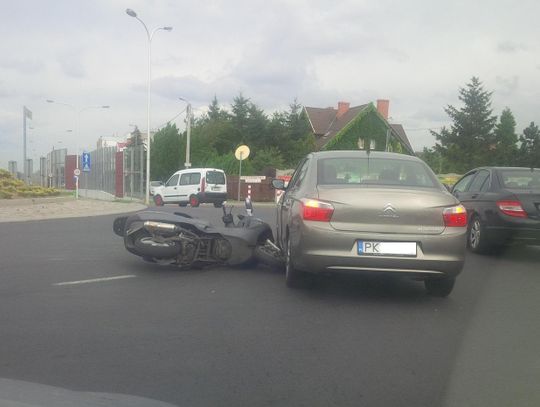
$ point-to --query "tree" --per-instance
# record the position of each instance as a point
(530, 146)
(506, 151)
(166, 153)
(215, 112)
(469, 140)
(433, 158)
(135, 139)
(239, 118)
(269, 157)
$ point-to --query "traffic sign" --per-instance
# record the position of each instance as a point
(86, 162)
(76, 172)
(242, 152)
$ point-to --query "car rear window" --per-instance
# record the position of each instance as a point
(521, 179)
(374, 171)
(215, 177)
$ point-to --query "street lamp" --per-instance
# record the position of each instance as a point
(189, 112)
(77, 112)
(149, 35)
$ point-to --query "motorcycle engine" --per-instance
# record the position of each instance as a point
(222, 249)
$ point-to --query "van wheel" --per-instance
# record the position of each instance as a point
(158, 200)
(194, 201)
(218, 204)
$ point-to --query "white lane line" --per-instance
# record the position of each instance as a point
(96, 280)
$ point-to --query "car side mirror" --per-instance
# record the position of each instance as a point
(278, 184)
(448, 188)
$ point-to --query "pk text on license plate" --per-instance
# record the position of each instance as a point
(369, 248)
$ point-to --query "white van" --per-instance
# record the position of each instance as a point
(193, 186)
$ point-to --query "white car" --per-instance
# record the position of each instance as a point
(153, 186)
(193, 186)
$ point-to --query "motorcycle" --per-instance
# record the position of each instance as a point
(187, 242)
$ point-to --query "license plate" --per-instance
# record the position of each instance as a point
(215, 188)
(386, 248)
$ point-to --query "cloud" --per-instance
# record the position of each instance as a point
(509, 47)
(507, 85)
(28, 66)
(72, 63)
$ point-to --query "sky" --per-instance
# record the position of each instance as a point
(417, 54)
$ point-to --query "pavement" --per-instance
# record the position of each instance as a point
(27, 209)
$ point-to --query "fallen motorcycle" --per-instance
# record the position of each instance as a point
(181, 240)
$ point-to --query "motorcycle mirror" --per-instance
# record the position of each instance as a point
(249, 205)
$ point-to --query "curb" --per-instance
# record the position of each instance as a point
(6, 203)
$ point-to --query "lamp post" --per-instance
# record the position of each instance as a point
(150, 36)
(189, 112)
(77, 112)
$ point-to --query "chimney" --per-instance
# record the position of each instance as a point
(383, 106)
(342, 108)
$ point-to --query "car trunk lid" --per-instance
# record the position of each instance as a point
(391, 210)
(530, 201)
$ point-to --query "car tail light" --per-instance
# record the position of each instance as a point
(456, 216)
(203, 182)
(312, 209)
(512, 208)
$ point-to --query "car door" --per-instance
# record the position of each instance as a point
(189, 185)
(474, 197)
(288, 199)
(460, 188)
(170, 190)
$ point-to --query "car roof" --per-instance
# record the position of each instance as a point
(362, 154)
(199, 169)
(503, 168)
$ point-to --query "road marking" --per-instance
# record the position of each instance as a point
(96, 280)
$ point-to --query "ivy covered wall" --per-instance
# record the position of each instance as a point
(371, 129)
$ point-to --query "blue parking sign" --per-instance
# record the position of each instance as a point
(85, 162)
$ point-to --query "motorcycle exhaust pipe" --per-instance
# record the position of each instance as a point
(157, 227)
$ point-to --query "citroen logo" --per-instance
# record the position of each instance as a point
(389, 212)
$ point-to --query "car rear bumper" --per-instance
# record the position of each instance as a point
(503, 234)
(320, 248)
(211, 197)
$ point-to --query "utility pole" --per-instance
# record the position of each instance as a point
(187, 164)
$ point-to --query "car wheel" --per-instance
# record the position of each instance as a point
(476, 237)
(440, 287)
(158, 200)
(295, 278)
(218, 204)
(194, 201)
(183, 204)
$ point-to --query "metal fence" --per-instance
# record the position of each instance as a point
(134, 171)
(101, 177)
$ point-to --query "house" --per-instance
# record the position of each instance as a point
(359, 127)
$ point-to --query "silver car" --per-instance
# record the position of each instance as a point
(356, 211)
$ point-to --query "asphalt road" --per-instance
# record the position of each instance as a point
(239, 337)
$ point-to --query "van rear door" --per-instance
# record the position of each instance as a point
(215, 181)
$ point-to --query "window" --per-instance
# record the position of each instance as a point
(299, 174)
(521, 179)
(376, 171)
(481, 179)
(173, 181)
(215, 177)
(191, 178)
(184, 179)
(195, 178)
(463, 184)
